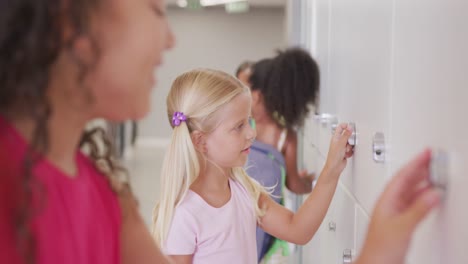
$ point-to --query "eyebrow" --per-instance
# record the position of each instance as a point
(239, 122)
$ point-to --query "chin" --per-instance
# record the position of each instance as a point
(141, 111)
(122, 116)
(241, 163)
(141, 114)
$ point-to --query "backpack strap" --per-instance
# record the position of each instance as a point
(282, 140)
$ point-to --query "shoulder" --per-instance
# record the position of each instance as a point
(237, 186)
(291, 137)
(189, 208)
(115, 182)
(290, 145)
(244, 190)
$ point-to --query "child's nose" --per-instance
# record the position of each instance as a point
(252, 133)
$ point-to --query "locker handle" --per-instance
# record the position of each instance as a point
(347, 256)
(439, 169)
(353, 139)
(326, 118)
(378, 147)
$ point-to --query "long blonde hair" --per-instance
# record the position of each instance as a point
(199, 94)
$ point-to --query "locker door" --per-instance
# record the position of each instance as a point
(361, 225)
(429, 101)
(319, 249)
(344, 216)
(320, 48)
(359, 80)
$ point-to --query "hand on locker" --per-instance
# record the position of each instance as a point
(406, 200)
(339, 150)
(305, 175)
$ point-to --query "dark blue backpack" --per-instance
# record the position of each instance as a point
(267, 166)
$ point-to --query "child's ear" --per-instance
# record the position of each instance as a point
(83, 49)
(256, 97)
(199, 142)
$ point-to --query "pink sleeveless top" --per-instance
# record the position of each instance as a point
(78, 219)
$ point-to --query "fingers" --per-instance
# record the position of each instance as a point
(416, 192)
(303, 173)
(349, 151)
(411, 175)
(343, 132)
(420, 207)
(340, 128)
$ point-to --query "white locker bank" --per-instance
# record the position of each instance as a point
(398, 70)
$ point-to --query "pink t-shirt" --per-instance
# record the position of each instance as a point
(215, 235)
(78, 219)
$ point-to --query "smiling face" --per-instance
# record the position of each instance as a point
(229, 144)
(131, 36)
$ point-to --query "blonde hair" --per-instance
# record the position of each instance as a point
(199, 94)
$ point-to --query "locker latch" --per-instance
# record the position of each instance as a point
(347, 256)
(352, 140)
(378, 147)
(439, 169)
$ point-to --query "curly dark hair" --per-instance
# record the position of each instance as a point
(31, 40)
(260, 74)
(289, 84)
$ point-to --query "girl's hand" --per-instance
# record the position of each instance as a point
(305, 175)
(339, 150)
(406, 200)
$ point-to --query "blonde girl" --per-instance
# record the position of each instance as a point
(209, 206)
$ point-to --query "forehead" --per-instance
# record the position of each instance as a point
(237, 109)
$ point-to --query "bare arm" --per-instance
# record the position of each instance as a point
(295, 182)
(406, 201)
(300, 227)
(182, 259)
(137, 244)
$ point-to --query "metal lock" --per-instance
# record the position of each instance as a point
(352, 139)
(326, 118)
(439, 169)
(347, 256)
(333, 128)
(378, 147)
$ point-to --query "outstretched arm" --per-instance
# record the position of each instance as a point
(405, 202)
(297, 181)
(300, 227)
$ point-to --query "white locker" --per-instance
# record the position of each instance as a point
(361, 224)
(359, 78)
(344, 217)
(319, 46)
(428, 109)
(396, 67)
(322, 240)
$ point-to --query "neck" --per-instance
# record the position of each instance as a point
(212, 178)
(64, 133)
(260, 114)
(70, 113)
(265, 123)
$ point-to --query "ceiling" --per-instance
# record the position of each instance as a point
(255, 3)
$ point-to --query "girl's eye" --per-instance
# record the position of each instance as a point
(240, 126)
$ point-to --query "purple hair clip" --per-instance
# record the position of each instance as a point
(178, 118)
